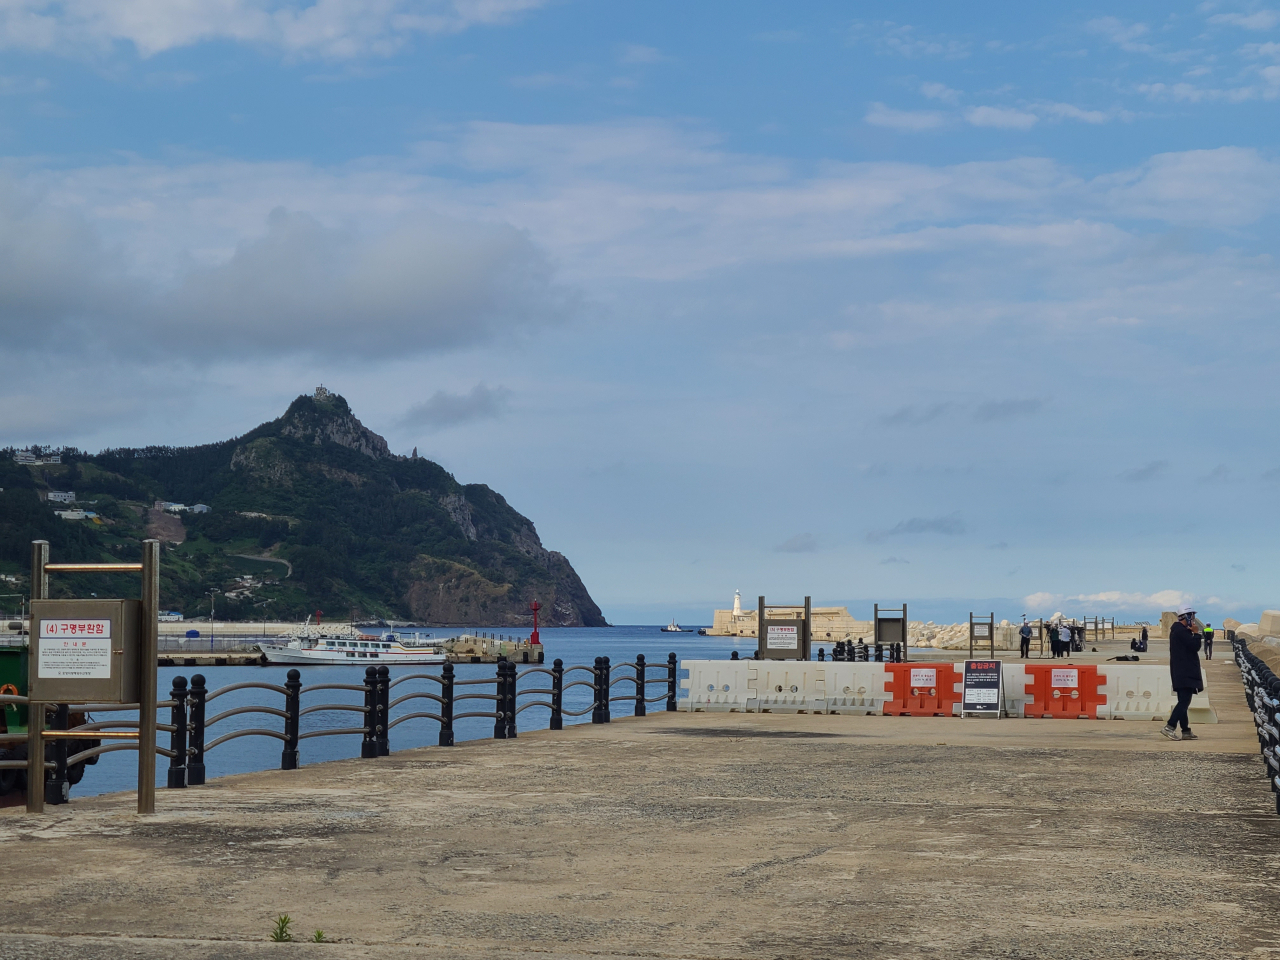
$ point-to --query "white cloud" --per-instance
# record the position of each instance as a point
(634, 53)
(1258, 20)
(1160, 600)
(451, 259)
(940, 91)
(904, 121)
(1224, 187)
(334, 29)
(1071, 112)
(1003, 117)
(301, 288)
(1124, 35)
(905, 41)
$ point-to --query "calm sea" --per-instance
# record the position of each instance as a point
(118, 771)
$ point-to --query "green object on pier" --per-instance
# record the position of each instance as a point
(13, 671)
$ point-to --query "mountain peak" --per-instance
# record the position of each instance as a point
(327, 416)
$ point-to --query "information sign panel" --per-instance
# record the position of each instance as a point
(924, 676)
(982, 687)
(780, 637)
(74, 649)
(85, 651)
(1065, 678)
(982, 629)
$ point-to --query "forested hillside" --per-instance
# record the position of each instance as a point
(308, 511)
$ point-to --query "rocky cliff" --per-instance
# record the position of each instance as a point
(365, 532)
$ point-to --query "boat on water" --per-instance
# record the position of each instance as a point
(328, 645)
(674, 627)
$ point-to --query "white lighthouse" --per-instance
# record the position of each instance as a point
(737, 603)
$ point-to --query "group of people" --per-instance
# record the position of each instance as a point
(1063, 638)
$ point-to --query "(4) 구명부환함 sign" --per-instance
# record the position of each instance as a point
(782, 637)
(982, 679)
(74, 650)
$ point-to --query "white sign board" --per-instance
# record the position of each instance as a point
(782, 638)
(74, 650)
(1065, 678)
(924, 676)
(982, 629)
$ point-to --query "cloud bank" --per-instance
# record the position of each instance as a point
(332, 29)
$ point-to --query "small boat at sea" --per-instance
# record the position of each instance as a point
(674, 627)
(313, 644)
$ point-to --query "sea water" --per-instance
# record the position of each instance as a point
(575, 646)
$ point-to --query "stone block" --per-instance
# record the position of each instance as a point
(1269, 623)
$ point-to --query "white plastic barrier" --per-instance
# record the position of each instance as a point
(788, 686)
(856, 688)
(1014, 678)
(1145, 692)
(716, 685)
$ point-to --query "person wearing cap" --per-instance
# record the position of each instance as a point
(1184, 671)
(1208, 641)
(1024, 643)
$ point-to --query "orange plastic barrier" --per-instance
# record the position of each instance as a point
(922, 689)
(1070, 691)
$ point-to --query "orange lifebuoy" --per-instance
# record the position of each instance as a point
(9, 690)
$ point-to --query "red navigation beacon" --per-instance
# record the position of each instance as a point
(535, 607)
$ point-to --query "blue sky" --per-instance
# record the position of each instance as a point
(866, 302)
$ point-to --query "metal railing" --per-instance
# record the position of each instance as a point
(501, 698)
(1262, 694)
(64, 768)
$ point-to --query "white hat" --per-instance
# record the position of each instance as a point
(1186, 611)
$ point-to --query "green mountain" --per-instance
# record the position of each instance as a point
(310, 511)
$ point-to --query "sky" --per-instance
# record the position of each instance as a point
(970, 306)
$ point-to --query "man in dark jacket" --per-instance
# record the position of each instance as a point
(1184, 670)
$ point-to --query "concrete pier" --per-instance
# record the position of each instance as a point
(687, 835)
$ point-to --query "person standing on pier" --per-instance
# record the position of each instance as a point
(1184, 670)
(1208, 641)
(1024, 644)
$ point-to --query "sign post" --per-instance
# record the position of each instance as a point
(783, 637)
(982, 631)
(94, 651)
(983, 688)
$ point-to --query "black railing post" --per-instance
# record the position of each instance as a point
(178, 738)
(640, 691)
(446, 708)
(557, 695)
(57, 789)
(384, 711)
(597, 715)
(369, 745)
(672, 669)
(500, 704)
(512, 680)
(606, 687)
(292, 705)
(195, 762)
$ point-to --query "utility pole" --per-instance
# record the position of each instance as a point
(211, 594)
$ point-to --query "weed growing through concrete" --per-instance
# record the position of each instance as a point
(318, 937)
(281, 934)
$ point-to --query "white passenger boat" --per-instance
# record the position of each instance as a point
(674, 627)
(317, 645)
